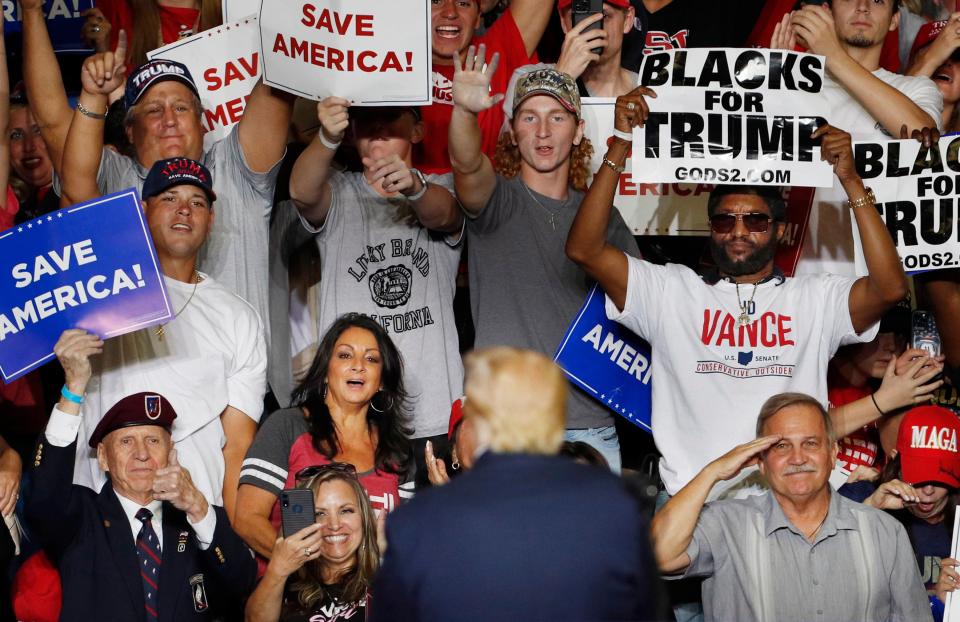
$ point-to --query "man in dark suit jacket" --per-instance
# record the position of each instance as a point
(147, 547)
(524, 535)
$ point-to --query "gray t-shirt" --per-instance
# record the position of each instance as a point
(524, 292)
(235, 253)
(377, 259)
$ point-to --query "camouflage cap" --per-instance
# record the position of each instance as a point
(547, 81)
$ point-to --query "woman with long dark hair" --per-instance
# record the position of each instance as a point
(351, 407)
(324, 571)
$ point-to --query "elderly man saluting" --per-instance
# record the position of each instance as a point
(147, 547)
(798, 552)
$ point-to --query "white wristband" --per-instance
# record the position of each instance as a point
(627, 136)
(326, 143)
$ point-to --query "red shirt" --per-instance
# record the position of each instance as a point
(175, 22)
(9, 212)
(431, 155)
(860, 447)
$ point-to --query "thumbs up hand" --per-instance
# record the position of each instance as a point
(173, 483)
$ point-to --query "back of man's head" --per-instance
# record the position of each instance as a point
(516, 399)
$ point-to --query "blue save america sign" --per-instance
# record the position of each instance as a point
(608, 361)
(63, 18)
(89, 266)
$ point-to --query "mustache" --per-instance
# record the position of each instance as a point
(800, 468)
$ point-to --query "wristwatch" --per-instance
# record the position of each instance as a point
(423, 185)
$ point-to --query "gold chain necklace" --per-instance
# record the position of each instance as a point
(159, 331)
(745, 319)
(551, 214)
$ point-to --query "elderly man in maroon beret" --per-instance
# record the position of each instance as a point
(149, 545)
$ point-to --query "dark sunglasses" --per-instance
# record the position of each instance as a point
(337, 467)
(755, 222)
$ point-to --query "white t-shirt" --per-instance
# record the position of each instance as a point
(711, 376)
(213, 355)
(828, 243)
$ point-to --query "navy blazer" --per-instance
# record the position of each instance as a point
(88, 536)
(519, 537)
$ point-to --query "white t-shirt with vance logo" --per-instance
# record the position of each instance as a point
(710, 374)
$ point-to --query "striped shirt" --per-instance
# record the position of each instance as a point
(758, 566)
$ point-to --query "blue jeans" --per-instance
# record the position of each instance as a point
(603, 440)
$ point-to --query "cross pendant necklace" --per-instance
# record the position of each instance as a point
(551, 215)
(745, 319)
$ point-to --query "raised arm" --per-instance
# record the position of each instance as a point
(309, 185)
(100, 75)
(531, 17)
(815, 28)
(930, 57)
(910, 386)
(885, 283)
(473, 174)
(41, 74)
(587, 244)
(672, 528)
(264, 127)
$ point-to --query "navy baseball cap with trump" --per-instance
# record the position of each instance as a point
(137, 409)
(176, 172)
(152, 72)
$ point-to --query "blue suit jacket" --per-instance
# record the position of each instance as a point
(519, 537)
(88, 537)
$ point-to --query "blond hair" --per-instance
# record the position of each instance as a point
(517, 400)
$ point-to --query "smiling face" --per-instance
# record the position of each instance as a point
(353, 375)
(132, 455)
(28, 152)
(741, 252)
(454, 22)
(179, 218)
(545, 133)
(864, 23)
(799, 465)
(338, 513)
(165, 123)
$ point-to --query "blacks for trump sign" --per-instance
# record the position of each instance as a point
(732, 116)
(916, 189)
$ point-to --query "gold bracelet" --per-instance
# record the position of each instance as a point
(867, 199)
(617, 168)
(87, 113)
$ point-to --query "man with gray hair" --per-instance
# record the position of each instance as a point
(797, 552)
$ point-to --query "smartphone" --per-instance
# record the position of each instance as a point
(924, 333)
(296, 510)
(582, 9)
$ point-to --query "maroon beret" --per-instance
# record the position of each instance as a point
(136, 409)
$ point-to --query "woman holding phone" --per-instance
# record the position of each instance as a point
(323, 571)
(351, 407)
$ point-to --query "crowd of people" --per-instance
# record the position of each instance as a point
(354, 412)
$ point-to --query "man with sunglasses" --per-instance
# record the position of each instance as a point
(724, 342)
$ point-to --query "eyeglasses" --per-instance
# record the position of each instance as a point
(338, 467)
(754, 222)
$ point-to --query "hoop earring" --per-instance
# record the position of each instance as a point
(390, 407)
(455, 465)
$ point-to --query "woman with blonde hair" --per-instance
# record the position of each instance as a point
(323, 572)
